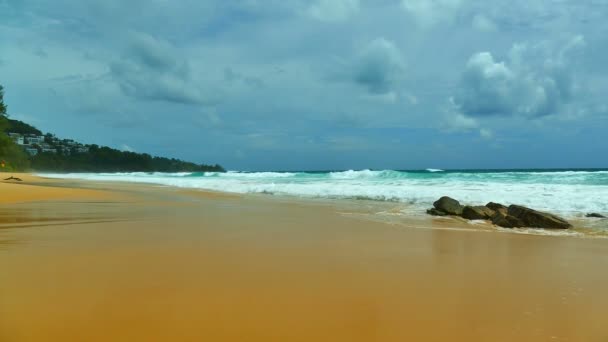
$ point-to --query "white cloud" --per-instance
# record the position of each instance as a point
(454, 121)
(411, 99)
(333, 10)
(390, 97)
(428, 13)
(534, 82)
(486, 133)
(482, 23)
(127, 148)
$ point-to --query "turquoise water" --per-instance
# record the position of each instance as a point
(571, 193)
(581, 176)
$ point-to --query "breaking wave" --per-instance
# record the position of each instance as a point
(569, 192)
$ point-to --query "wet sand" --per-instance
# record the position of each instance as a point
(84, 261)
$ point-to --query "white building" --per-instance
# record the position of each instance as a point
(17, 138)
(35, 139)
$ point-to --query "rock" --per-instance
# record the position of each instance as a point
(596, 215)
(506, 221)
(448, 205)
(436, 212)
(477, 213)
(497, 207)
(537, 219)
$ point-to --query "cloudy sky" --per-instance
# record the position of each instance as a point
(318, 84)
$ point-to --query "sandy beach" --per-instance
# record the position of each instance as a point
(95, 261)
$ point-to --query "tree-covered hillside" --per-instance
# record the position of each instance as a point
(105, 159)
(16, 126)
(48, 153)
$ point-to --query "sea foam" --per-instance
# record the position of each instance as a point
(569, 193)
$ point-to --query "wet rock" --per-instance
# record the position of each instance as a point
(477, 213)
(537, 219)
(596, 215)
(498, 207)
(448, 205)
(506, 221)
(436, 212)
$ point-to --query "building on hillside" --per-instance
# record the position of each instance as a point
(49, 149)
(34, 139)
(17, 138)
(33, 144)
(69, 142)
(31, 151)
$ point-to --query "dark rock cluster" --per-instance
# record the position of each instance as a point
(509, 217)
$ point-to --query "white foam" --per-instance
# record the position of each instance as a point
(544, 232)
(237, 174)
(352, 174)
(567, 198)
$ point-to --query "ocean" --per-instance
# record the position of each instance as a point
(570, 193)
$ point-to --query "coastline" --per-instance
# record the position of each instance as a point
(35, 188)
(102, 261)
(391, 210)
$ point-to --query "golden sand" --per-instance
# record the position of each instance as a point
(32, 188)
(147, 263)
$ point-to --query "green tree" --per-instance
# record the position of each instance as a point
(2, 105)
(3, 119)
(13, 155)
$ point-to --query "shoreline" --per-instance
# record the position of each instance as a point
(157, 263)
(390, 212)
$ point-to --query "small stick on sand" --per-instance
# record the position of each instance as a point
(14, 178)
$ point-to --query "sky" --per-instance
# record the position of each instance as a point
(317, 84)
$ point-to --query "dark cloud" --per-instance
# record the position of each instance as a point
(151, 69)
(379, 67)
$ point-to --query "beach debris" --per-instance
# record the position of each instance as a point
(14, 178)
(595, 215)
(508, 217)
(448, 205)
(479, 212)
